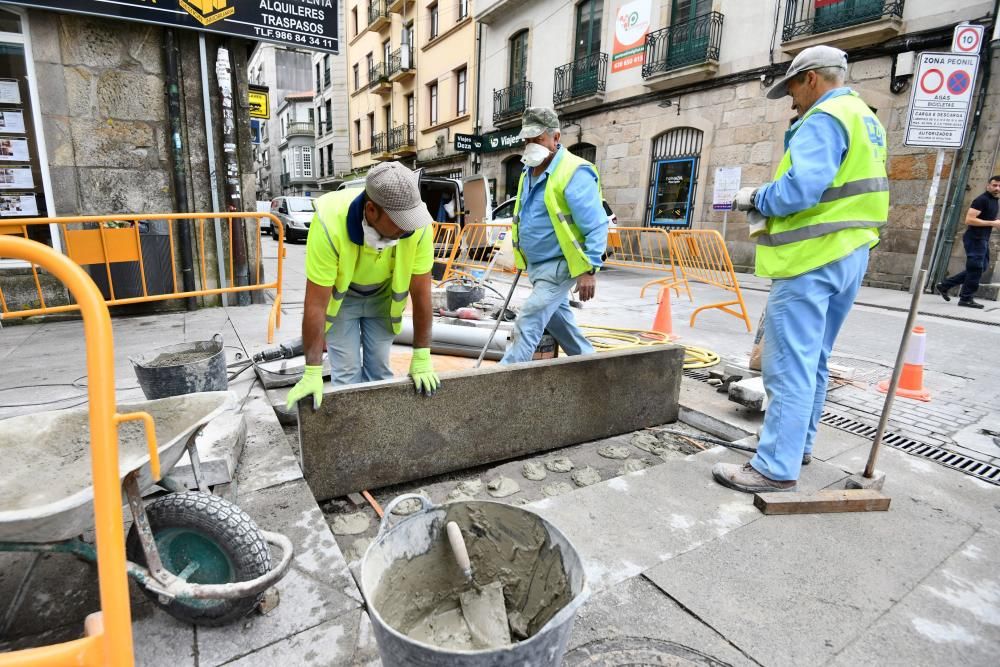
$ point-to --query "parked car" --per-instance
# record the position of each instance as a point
(504, 213)
(295, 214)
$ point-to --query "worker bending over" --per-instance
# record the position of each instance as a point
(814, 225)
(367, 250)
(560, 231)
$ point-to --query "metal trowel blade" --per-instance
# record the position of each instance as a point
(486, 615)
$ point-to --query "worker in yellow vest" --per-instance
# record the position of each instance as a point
(814, 226)
(559, 234)
(367, 251)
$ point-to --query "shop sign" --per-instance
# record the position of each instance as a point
(310, 24)
(502, 140)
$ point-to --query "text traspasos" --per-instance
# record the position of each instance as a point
(294, 9)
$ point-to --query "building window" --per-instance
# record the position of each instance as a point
(371, 129)
(411, 119)
(370, 62)
(319, 121)
(386, 53)
(307, 162)
(317, 78)
(587, 151)
(433, 96)
(518, 70)
(463, 9)
(326, 72)
(461, 88)
(673, 178)
(588, 29)
(357, 135)
(329, 115)
(329, 159)
(406, 35)
(433, 9)
(354, 20)
(512, 168)
(357, 78)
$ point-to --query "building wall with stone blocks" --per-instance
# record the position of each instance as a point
(102, 95)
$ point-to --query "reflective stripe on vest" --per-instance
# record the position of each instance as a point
(331, 217)
(849, 213)
(568, 235)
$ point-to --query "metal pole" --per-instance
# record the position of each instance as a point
(213, 176)
(936, 245)
(890, 395)
(234, 193)
(178, 161)
(925, 230)
(725, 222)
(503, 311)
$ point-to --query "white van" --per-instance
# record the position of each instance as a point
(295, 214)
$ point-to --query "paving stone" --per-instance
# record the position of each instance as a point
(330, 643)
(951, 618)
(268, 459)
(159, 639)
(642, 526)
(828, 577)
(636, 609)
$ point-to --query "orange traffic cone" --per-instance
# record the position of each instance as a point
(663, 323)
(911, 380)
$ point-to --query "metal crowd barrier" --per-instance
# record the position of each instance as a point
(646, 248)
(476, 250)
(107, 640)
(113, 239)
(701, 256)
(446, 244)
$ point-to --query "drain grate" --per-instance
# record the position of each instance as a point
(970, 466)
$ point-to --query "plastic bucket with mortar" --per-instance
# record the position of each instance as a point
(408, 572)
(185, 368)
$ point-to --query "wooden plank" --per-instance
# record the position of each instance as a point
(825, 501)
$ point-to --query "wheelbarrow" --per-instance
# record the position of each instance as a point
(198, 556)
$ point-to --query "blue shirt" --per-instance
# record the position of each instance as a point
(535, 233)
(818, 146)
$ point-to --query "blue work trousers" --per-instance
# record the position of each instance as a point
(977, 259)
(547, 308)
(804, 316)
(359, 340)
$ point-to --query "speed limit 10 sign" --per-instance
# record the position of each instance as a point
(968, 38)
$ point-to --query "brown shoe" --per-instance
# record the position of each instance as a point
(745, 478)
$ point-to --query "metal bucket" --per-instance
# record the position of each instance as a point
(461, 294)
(405, 557)
(185, 368)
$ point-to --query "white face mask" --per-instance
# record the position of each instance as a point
(375, 240)
(534, 155)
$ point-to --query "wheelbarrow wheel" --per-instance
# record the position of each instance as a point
(215, 541)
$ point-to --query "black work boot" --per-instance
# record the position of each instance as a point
(940, 289)
(970, 303)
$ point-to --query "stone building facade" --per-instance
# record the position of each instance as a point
(658, 129)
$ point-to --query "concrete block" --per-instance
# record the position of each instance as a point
(875, 482)
(370, 436)
(220, 445)
(750, 393)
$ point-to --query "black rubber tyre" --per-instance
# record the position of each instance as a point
(223, 539)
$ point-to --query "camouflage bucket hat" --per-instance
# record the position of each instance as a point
(537, 120)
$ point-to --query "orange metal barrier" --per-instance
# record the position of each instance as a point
(646, 248)
(476, 249)
(110, 239)
(702, 256)
(107, 637)
(446, 243)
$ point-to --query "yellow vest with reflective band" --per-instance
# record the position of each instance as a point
(568, 235)
(331, 215)
(851, 210)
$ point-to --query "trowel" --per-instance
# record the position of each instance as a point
(482, 606)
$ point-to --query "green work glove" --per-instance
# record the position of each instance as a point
(425, 379)
(311, 383)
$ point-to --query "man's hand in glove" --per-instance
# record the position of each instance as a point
(310, 384)
(757, 222)
(425, 380)
(744, 199)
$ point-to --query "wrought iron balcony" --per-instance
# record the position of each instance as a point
(402, 140)
(380, 146)
(803, 17)
(683, 44)
(378, 15)
(510, 102)
(581, 78)
(401, 63)
(378, 81)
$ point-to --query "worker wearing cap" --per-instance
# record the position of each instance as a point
(367, 251)
(559, 233)
(814, 225)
